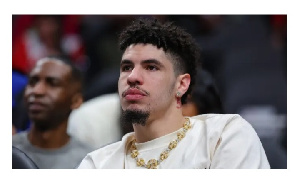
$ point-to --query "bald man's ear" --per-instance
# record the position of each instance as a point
(77, 100)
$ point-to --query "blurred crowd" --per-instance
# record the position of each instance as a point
(244, 70)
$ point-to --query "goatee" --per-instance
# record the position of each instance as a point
(130, 117)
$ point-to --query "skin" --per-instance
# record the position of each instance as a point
(190, 109)
(148, 82)
(14, 130)
(50, 95)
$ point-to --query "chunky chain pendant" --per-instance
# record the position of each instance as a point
(134, 153)
(153, 163)
(164, 155)
(180, 135)
(140, 162)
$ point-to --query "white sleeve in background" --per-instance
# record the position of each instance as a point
(97, 121)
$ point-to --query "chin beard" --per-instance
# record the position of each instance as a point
(130, 117)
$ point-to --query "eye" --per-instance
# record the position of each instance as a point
(126, 68)
(53, 82)
(32, 81)
(152, 68)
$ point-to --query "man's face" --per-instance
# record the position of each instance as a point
(147, 80)
(48, 94)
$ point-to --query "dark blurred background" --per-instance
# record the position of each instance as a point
(245, 54)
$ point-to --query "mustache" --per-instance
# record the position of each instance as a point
(34, 100)
(135, 87)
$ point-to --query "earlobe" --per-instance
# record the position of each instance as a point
(77, 100)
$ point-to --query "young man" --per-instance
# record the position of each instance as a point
(158, 69)
(52, 92)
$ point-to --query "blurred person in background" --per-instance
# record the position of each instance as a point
(53, 91)
(205, 97)
(37, 36)
(157, 73)
(34, 37)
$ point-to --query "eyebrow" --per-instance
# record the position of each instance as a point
(147, 61)
(33, 75)
(126, 61)
(47, 78)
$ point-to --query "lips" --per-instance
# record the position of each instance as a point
(133, 94)
(36, 106)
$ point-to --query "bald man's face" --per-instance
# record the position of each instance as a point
(48, 94)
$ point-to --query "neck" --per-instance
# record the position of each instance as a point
(49, 139)
(159, 126)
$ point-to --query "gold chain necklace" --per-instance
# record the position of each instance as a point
(153, 163)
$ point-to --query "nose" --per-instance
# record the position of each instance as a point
(39, 89)
(135, 77)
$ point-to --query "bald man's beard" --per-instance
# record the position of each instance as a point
(130, 117)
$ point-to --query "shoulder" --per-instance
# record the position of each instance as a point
(112, 148)
(224, 126)
(21, 141)
(229, 136)
(216, 117)
(110, 156)
(221, 121)
(99, 158)
(82, 146)
(106, 150)
(19, 138)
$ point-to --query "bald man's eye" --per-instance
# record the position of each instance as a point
(53, 82)
(33, 80)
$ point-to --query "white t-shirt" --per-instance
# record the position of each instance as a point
(214, 141)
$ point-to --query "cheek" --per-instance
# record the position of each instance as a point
(27, 91)
(158, 82)
(60, 99)
(119, 86)
(26, 94)
(122, 83)
(162, 89)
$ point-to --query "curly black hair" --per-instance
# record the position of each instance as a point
(174, 40)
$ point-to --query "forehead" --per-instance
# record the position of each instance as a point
(143, 51)
(51, 68)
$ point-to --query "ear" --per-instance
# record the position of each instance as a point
(77, 100)
(184, 81)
